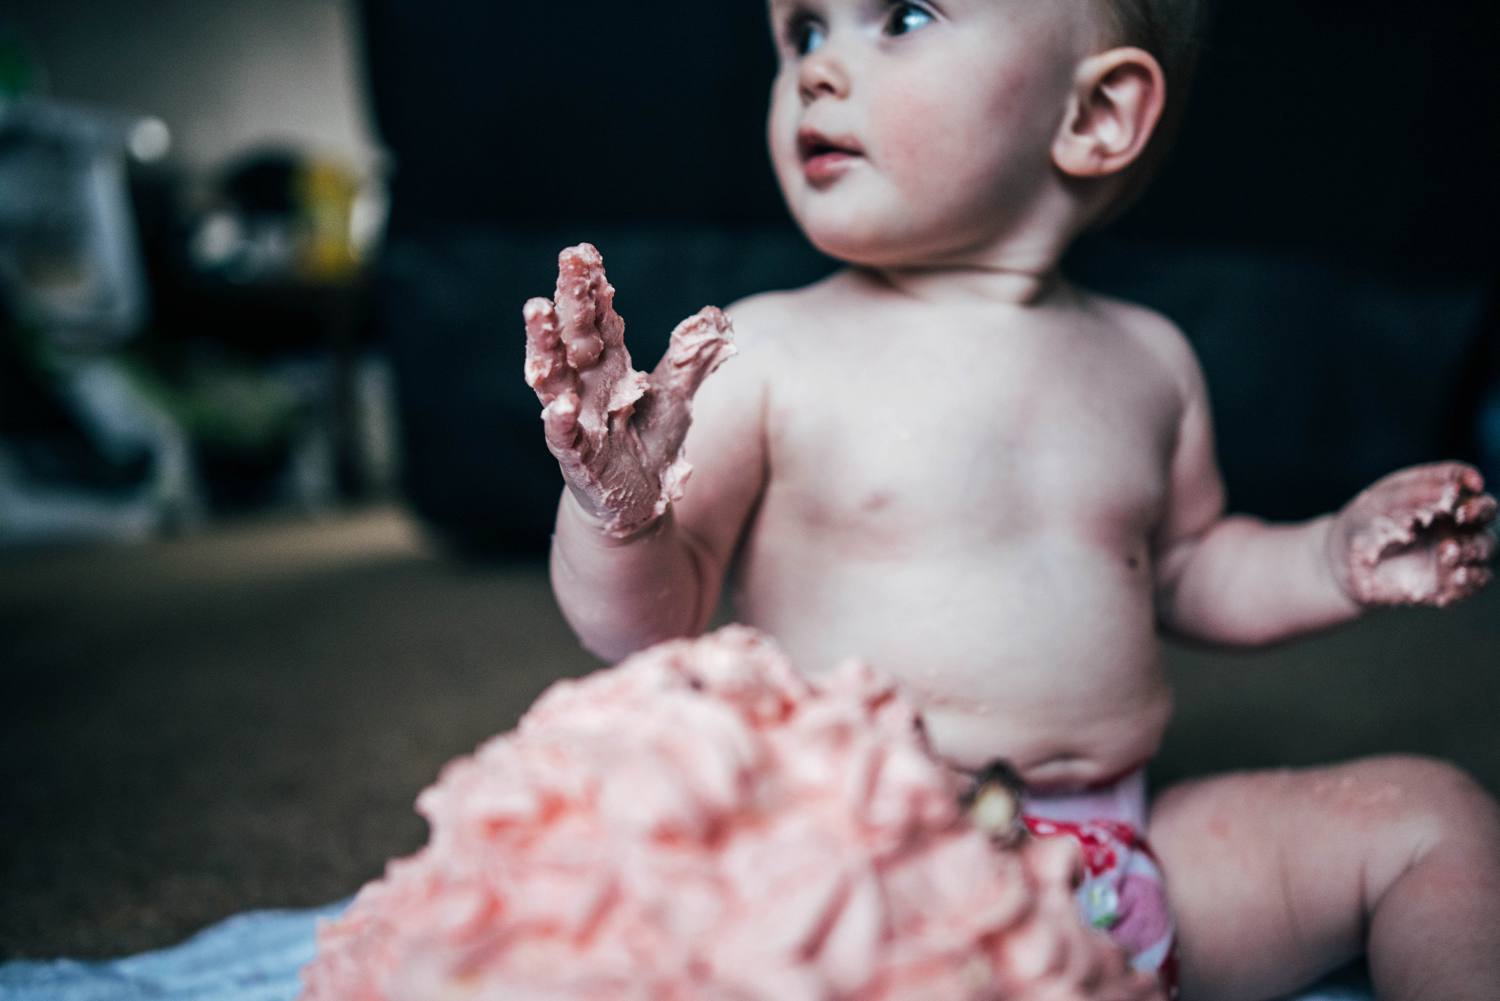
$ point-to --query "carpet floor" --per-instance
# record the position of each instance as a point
(242, 718)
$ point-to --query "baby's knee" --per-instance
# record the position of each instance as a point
(1427, 804)
(1439, 788)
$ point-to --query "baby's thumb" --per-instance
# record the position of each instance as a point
(699, 345)
(560, 423)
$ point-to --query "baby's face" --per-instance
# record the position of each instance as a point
(908, 133)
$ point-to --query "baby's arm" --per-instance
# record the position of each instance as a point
(633, 560)
(1419, 536)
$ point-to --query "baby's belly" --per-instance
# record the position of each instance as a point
(1042, 654)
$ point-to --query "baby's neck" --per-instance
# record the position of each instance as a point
(971, 285)
(1012, 272)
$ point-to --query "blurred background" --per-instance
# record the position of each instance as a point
(272, 492)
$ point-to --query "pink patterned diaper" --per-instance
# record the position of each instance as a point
(1122, 892)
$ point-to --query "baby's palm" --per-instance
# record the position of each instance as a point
(617, 433)
(1420, 536)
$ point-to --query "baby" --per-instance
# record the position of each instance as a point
(995, 486)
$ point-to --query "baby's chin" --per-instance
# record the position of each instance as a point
(863, 250)
(868, 240)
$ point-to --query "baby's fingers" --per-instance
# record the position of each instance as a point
(1463, 566)
(560, 424)
(1476, 511)
(1465, 582)
(1467, 550)
(585, 306)
(1440, 488)
(699, 345)
(547, 369)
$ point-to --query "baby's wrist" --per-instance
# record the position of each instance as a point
(1333, 546)
(607, 529)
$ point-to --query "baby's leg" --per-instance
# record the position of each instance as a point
(1278, 877)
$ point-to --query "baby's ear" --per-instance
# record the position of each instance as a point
(1116, 102)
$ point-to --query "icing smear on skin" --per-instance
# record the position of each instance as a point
(703, 822)
(606, 422)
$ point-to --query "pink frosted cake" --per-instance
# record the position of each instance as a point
(701, 822)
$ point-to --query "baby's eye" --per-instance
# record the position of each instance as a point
(907, 17)
(805, 35)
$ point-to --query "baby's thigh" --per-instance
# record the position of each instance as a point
(1271, 874)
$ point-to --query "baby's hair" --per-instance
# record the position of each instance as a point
(1172, 31)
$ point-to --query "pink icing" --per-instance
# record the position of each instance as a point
(702, 822)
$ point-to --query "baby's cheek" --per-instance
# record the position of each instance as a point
(917, 137)
(780, 129)
(925, 136)
(904, 107)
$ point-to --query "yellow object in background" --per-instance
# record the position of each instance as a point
(325, 195)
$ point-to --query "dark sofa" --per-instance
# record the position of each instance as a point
(1323, 230)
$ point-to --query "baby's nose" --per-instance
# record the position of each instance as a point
(822, 75)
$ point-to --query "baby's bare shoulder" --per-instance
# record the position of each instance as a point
(772, 327)
(1156, 334)
(764, 327)
(767, 315)
(760, 317)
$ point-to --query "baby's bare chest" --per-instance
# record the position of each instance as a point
(974, 436)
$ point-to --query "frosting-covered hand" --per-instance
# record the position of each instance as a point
(617, 433)
(1420, 536)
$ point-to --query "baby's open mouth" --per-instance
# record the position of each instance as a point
(813, 145)
(825, 159)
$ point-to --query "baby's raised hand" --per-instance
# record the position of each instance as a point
(1420, 536)
(617, 433)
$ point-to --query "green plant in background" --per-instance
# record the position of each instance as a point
(218, 403)
(221, 404)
